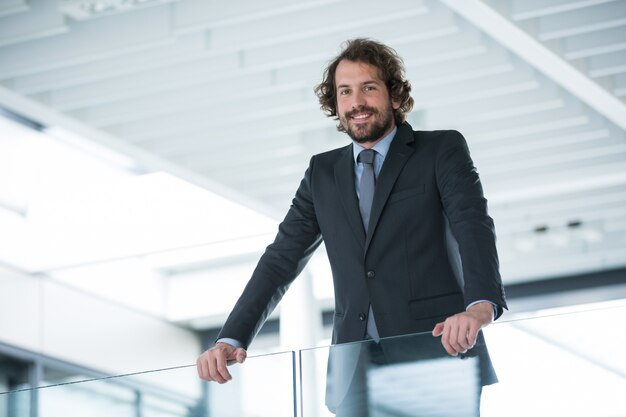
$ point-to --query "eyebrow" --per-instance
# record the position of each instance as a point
(363, 83)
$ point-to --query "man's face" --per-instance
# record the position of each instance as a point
(364, 106)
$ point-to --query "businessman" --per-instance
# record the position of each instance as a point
(403, 217)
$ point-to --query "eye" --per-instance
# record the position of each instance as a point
(344, 92)
(369, 88)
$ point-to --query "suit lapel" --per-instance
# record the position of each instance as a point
(399, 152)
(344, 179)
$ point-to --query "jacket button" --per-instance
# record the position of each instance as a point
(371, 274)
(362, 316)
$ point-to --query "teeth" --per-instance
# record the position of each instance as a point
(360, 116)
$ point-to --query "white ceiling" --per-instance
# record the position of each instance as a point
(221, 93)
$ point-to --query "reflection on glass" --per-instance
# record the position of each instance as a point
(94, 399)
(401, 376)
(155, 406)
(16, 404)
(263, 387)
(566, 364)
(15, 375)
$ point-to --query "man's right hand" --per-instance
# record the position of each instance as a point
(212, 363)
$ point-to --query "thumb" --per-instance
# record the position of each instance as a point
(240, 355)
(438, 330)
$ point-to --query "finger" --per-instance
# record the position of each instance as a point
(463, 339)
(438, 330)
(216, 357)
(203, 370)
(469, 332)
(199, 367)
(223, 371)
(213, 376)
(472, 335)
(453, 338)
(445, 339)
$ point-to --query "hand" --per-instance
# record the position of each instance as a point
(212, 363)
(458, 333)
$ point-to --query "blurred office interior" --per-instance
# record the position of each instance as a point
(149, 149)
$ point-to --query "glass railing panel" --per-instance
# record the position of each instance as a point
(262, 387)
(400, 376)
(565, 364)
(569, 364)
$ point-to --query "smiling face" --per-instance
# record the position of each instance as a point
(364, 106)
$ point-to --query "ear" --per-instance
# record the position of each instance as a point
(395, 103)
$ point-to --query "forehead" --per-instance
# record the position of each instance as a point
(352, 72)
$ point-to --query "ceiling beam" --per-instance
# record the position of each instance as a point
(9, 7)
(118, 37)
(540, 57)
(578, 22)
(530, 9)
(42, 19)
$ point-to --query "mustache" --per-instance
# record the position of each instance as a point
(360, 110)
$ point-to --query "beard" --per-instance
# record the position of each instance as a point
(381, 123)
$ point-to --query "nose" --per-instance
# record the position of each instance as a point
(358, 99)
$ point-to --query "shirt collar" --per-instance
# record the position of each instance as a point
(381, 147)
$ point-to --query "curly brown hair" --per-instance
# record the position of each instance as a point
(391, 72)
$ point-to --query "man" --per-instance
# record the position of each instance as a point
(406, 228)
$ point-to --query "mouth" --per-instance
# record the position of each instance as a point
(361, 117)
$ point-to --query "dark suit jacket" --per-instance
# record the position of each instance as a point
(427, 188)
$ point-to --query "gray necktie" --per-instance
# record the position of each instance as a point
(367, 185)
(366, 196)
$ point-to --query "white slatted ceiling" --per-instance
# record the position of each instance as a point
(224, 90)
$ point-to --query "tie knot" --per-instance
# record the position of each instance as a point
(367, 156)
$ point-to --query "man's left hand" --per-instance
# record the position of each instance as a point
(458, 333)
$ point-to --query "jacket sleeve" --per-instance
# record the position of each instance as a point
(466, 209)
(298, 237)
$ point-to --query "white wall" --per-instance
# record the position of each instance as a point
(49, 318)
